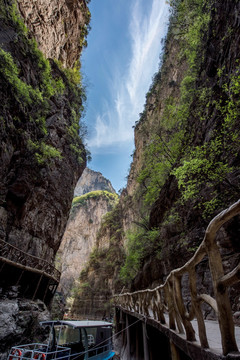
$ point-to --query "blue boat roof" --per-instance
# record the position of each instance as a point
(77, 323)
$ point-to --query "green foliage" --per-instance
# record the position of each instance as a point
(198, 171)
(44, 153)
(141, 243)
(82, 200)
(24, 93)
(32, 94)
(169, 137)
(172, 217)
(208, 166)
(111, 221)
(11, 13)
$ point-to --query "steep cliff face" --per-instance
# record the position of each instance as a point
(58, 26)
(185, 167)
(100, 277)
(20, 320)
(80, 237)
(41, 155)
(90, 181)
(197, 168)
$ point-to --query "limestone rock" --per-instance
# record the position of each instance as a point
(35, 197)
(80, 238)
(41, 155)
(92, 180)
(20, 320)
(58, 26)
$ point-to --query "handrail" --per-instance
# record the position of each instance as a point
(11, 254)
(168, 296)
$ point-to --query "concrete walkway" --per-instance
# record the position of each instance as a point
(213, 334)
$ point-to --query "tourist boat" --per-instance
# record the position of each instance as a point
(70, 340)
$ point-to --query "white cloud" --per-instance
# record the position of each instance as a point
(114, 125)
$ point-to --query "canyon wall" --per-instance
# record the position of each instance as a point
(81, 237)
(90, 181)
(185, 167)
(59, 27)
(41, 153)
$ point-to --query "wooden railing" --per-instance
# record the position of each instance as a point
(12, 255)
(169, 298)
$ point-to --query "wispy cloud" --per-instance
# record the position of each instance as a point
(114, 125)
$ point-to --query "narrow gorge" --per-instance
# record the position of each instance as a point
(94, 198)
(185, 166)
(42, 155)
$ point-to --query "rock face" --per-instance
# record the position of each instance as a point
(185, 166)
(84, 236)
(90, 181)
(80, 237)
(99, 279)
(59, 27)
(41, 153)
(39, 168)
(20, 320)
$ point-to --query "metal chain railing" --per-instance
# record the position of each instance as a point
(169, 298)
(17, 256)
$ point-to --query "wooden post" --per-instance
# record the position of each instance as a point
(223, 303)
(145, 342)
(197, 310)
(174, 352)
(20, 277)
(37, 287)
(169, 299)
(190, 333)
(128, 338)
(45, 293)
(216, 267)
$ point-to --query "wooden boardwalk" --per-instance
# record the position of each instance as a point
(12, 255)
(164, 307)
(191, 348)
(36, 278)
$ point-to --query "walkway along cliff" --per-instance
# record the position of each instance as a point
(41, 153)
(185, 167)
(165, 309)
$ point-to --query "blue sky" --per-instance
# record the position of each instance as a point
(122, 56)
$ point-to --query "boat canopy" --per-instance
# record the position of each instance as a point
(77, 323)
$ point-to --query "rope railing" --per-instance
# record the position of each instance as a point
(12, 254)
(168, 297)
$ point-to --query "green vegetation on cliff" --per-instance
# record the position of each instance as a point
(169, 136)
(141, 242)
(33, 95)
(172, 147)
(187, 166)
(101, 274)
(192, 140)
(81, 200)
